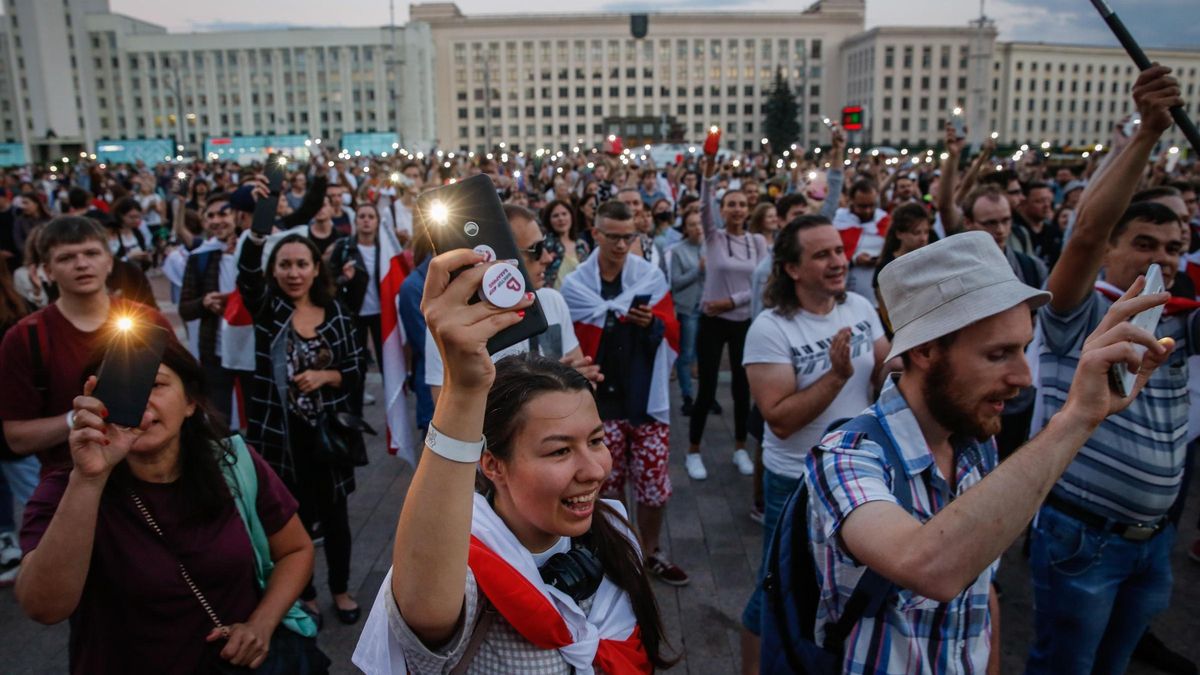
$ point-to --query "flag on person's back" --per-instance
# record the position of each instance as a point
(393, 269)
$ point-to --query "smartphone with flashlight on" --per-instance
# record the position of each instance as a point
(126, 376)
(265, 208)
(959, 122)
(468, 214)
(1120, 377)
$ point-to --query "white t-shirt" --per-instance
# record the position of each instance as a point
(370, 303)
(148, 203)
(558, 340)
(803, 342)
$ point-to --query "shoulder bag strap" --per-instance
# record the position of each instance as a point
(187, 577)
(487, 615)
(872, 589)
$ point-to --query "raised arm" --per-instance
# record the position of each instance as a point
(941, 557)
(251, 282)
(947, 207)
(429, 559)
(710, 212)
(974, 171)
(1108, 195)
(835, 178)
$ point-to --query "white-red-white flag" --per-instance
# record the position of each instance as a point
(393, 270)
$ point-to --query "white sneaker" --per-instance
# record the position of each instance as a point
(368, 399)
(695, 467)
(744, 464)
(10, 552)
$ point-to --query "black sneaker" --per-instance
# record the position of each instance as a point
(715, 408)
(1151, 651)
(686, 408)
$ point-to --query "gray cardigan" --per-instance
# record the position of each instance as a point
(687, 279)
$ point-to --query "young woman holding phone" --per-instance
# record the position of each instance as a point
(534, 573)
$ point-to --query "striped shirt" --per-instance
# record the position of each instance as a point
(1131, 469)
(913, 634)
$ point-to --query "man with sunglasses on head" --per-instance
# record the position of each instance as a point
(209, 277)
(558, 341)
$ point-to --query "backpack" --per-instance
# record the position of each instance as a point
(791, 588)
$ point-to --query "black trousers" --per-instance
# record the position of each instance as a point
(712, 336)
(218, 387)
(367, 326)
(319, 502)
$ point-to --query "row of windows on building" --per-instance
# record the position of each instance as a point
(696, 48)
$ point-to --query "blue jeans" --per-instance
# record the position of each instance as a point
(776, 490)
(1094, 594)
(18, 478)
(688, 325)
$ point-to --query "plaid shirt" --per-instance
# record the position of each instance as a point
(267, 413)
(914, 634)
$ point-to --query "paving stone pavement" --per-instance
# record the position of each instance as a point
(708, 532)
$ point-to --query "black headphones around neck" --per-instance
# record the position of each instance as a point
(576, 572)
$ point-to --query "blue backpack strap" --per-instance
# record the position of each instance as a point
(873, 589)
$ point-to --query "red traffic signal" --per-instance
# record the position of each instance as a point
(852, 118)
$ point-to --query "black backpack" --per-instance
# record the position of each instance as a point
(791, 587)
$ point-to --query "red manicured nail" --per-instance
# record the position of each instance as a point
(104, 412)
(529, 295)
(521, 313)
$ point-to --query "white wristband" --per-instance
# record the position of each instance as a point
(453, 449)
(70, 420)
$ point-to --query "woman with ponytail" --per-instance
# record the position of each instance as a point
(529, 571)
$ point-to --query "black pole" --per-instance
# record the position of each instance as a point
(1139, 57)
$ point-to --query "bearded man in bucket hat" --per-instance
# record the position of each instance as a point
(962, 322)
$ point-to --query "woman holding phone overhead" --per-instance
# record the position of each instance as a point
(307, 363)
(534, 573)
(105, 540)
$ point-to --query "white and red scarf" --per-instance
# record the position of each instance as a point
(589, 309)
(852, 230)
(607, 637)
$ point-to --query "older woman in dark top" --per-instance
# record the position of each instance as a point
(307, 362)
(91, 555)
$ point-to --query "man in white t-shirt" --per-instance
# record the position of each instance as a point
(812, 358)
(559, 341)
(863, 227)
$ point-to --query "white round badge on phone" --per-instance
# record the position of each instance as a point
(503, 285)
(488, 253)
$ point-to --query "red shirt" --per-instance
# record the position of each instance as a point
(66, 352)
(136, 613)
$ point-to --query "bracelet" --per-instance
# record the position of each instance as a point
(70, 420)
(453, 449)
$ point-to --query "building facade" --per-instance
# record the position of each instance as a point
(73, 73)
(556, 80)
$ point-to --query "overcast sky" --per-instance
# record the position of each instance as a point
(1152, 22)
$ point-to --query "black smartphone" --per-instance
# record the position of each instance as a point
(126, 375)
(265, 208)
(640, 300)
(468, 214)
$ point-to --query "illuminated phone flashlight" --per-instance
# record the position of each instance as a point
(1174, 150)
(957, 112)
(182, 175)
(439, 212)
(812, 175)
(395, 176)
(995, 135)
(282, 161)
(124, 324)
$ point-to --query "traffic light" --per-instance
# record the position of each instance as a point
(852, 118)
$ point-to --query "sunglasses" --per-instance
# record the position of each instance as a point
(535, 251)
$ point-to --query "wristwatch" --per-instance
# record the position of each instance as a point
(453, 449)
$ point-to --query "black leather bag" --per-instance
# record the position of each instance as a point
(340, 438)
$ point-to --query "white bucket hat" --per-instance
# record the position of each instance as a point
(950, 285)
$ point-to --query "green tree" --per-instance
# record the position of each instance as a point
(781, 126)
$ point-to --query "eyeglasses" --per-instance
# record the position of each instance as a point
(627, 238)
(534, 252)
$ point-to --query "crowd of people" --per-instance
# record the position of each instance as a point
(919, 347)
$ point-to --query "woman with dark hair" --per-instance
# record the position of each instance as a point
(357, 259)
(198, 194)
(765, 221)
(126, 238)
(908, 232)
(29, 212)
(561, 224)
(533, 572)
(145, 547)
(307, 364)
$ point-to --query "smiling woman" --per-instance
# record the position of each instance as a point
(513, 573)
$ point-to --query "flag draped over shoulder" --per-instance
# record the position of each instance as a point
(606, 637)
(393, 268)
(581, 289)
